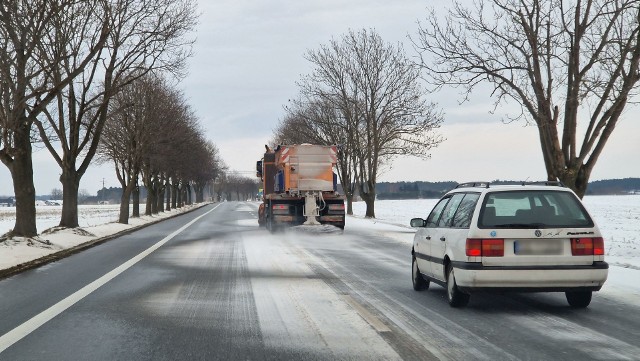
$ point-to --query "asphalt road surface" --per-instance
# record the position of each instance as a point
(213, 285)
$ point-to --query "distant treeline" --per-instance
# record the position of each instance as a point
(413, 190)
(614, 186)
(417, 190)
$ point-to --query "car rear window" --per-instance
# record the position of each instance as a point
(533, 209)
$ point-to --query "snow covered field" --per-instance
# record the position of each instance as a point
(49, 216)
(617, 216)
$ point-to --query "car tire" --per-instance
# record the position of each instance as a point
(419, 283)
(579, 299)
(455, 297)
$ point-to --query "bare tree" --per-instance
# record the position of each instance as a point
(566, 63)
(123, 140)
(33, 38)
(144, 36)
(377, 91)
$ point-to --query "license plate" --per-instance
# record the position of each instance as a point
(537, 247)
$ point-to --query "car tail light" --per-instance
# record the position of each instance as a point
(474, 247)
(280, 209)
(493, 247)
(598, 246)
(587, 246)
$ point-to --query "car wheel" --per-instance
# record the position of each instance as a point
(419, 283)
(579, 299)
(455, 297)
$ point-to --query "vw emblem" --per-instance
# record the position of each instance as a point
(538, 233)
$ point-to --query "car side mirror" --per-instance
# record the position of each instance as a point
(418, 222)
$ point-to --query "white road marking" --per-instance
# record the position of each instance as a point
(45, 316)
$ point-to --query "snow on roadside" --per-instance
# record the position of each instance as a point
(95, 221)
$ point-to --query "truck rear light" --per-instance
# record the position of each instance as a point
(336, 208)
(280, 209)
(587, 246)
(493, 247)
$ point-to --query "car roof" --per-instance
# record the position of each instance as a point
(486, 187)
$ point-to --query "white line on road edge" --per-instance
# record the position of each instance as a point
(43, 317)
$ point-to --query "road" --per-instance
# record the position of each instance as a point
(214, 285)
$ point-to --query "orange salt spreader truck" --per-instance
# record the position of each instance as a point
(299, 187)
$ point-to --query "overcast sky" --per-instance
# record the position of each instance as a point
(249, 54)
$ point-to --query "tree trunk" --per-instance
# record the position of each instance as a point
(175, 193)
(369, 200)
(576, 179)
(349, 199)
(21, 169)
(160, 197)
(124, 203)
(149, 202)
(199, 193)
(136, 201)
(70, 183)
(154, 198)
(168, 194)
(368, 194)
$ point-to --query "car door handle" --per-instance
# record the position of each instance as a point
(442, 239)
(428, 237)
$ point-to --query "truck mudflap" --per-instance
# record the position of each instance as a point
(261, 219)
(337, 221)
(331, 219)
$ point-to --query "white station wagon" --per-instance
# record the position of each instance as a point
(531, 237)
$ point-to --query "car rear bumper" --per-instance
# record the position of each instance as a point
(474, 276)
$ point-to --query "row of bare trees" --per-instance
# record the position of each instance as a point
(152, 135)
(233, 186)
(365, 95)
(61, 64)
